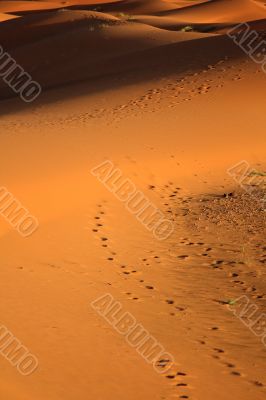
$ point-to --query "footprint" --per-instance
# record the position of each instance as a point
(257, 383)
(180, 308)
(169, 301)
(230, 365)
(170, 376)
(218, 350)
(236, 373)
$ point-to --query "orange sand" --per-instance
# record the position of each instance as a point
(173, 110)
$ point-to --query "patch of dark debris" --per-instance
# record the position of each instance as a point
(233, 217)
(237, 210)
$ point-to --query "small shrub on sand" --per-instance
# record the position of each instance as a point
(187, 29)
(125, 17)
(257, 173)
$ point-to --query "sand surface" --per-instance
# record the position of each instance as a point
(173, 110)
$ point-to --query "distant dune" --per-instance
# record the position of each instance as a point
(5, 17)
(116, 37)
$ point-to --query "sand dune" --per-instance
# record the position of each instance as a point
(122, 44)
(137, 6)
(130, 6)
(148, 48)
(54, 61)
(24, 6)
(218, 11)
(173, 23)
(32, 28)
(6, 17)
(158, 90)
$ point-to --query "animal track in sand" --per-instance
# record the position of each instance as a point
(199, 247)
(132, 298)
(180, 308)
(149, 287)
(174, 378)
(180, 88)
(169, 301)
(129, 272)
(222, 360)
(126, 270)
(257, 383)
(53, 266)
(105, 241)
(229, 365)
(221, 357)
(183, 89)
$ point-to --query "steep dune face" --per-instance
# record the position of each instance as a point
(32, 28)
(49, 44)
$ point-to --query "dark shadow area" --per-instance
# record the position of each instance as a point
(182, 58)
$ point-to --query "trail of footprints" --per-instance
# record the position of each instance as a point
(112, 255)
(176, 377)
(235, 265)
(176, 91)
(177, 206)
(172, 90)
(171, 192)
(220, 355)
(180, 90)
